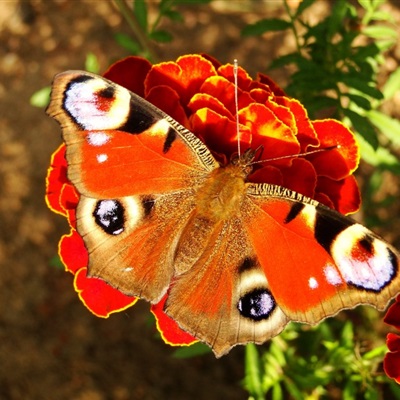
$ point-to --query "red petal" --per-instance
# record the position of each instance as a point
(300, 177)
(392, 316)
(276, 138)
(344, 194)
(338, 163)
(212, 60)
(169, 329)
(393, 342)
(130, 73)
(391, 362)
(267, 174)
(185, 76)
(271, 84)
(167, 100)
(73, 252)
(69, 198)
(324, 199)
(56, 179)
(99, 297)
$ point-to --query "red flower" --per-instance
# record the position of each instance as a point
(199, 93)
(391, 363)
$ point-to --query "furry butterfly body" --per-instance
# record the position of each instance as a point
(159, 215)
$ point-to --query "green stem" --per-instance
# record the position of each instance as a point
(293, 26)
(141, 37)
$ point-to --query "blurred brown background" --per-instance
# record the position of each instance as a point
(51, 347)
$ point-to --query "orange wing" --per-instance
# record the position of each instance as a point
(118, 144)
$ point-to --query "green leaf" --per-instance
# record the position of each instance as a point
(41, 98)
(140, 12)
(57, 263)
(302, 6)
(361, 85)
(252, 371)
(380, 32)
(92, 63)
(174, 15)
(291, 58)
(380, 157)
(392, 85)
(277, 393)
(266, 25)
(377, 352)
(359, 101)
(194, 350)
(363, 127)
(161, 36)
(390, 127)
(127, 43)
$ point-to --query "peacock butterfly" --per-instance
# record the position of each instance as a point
(239, 260)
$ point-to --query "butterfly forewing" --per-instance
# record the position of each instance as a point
(102, 122)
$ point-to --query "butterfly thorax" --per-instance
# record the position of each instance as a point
(222, 193)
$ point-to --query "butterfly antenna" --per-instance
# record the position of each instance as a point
(235, 77)
(306, 153)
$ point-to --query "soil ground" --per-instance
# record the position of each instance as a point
(51, 347)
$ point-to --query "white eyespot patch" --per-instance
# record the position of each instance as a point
(363, 260)
(92, 111)
(98, 138)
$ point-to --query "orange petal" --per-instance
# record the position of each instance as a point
(204, 100)
(306, 134)
(224, 91)
(185, 76)
(243, 78)
(218, 132)
(276, 138)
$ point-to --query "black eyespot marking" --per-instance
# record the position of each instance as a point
(367, 244)
(107, 93)
(257, 305)
(139, 119)
(247, 264)
(171, 136)
(328, 225)
(109, 215)
(295, 210)
(148, 203)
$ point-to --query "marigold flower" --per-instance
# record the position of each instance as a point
(391, 362)
(199, 93)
